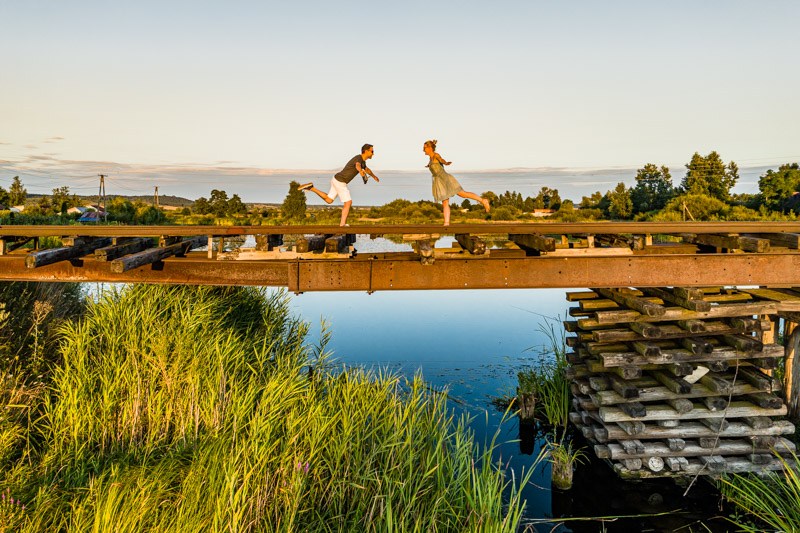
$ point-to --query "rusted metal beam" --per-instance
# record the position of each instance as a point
(544, 228)
(404, 272)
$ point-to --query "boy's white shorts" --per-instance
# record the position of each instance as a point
(339, 189)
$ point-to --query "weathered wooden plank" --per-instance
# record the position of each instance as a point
(576, 296)
(632, 427)
(697, 345)
(694, 305)
(633, 302)
(672, 383)
(692, 326)
(681, 405)
(471, 243)
(681, 314)
(338, 244)
(764, 400)
(737, 409)
(758, 379)
(721, 353)
(647, 331)
(311, 243)
(690, 429)
(733, 465)
(725, 447)
(743, 343)
(789, 240)
(671, 331)
(718, 384)
(689, 293)
(267, 243)
(9, 244)
(54, 255)
(646, 349)
(730, 242)
(528, 241)
(758, 422)
(131, 246)
(153, 255)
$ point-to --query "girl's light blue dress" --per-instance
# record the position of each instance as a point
(444, 185)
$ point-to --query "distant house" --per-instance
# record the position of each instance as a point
(542, 212)
(17, 208)
(80, 209)
(2, 207)
(92, 216)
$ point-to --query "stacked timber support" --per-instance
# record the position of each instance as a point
(677, 382)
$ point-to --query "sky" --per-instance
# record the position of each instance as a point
(246, 96)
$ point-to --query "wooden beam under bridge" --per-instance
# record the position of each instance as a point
(404, 272)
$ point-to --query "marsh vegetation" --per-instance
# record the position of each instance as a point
(204, 409)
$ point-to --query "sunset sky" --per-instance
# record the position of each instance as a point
(196, 95)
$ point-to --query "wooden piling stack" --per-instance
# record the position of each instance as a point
(675, 381)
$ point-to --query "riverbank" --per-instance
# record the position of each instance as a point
(205, 409)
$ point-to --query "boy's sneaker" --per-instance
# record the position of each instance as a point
(305, 186)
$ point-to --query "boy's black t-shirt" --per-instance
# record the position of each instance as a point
(349, 171)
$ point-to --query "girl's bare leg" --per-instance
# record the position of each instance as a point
(473, 196)
(446, 209)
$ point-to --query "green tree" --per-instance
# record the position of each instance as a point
(620, 204)
(492, 197)
(202, 206)
(465, 204)
(236, 206)
(17, 193)
(589, 202)
(219, 202)
(547, 198)
(694, 207)
(294, 205)
(4, 198)
(710, 176)
(121, 210)
(653, 188)
(777, 188)
(63, 200)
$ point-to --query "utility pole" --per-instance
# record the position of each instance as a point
(102, 194)
(155, 198)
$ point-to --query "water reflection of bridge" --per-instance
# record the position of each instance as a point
(485, 256)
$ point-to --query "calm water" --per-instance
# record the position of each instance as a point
(473, 342)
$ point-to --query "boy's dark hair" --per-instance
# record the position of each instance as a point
(365, 148)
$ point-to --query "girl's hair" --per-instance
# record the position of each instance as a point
(432, 144)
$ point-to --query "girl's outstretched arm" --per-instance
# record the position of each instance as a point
(441, 159)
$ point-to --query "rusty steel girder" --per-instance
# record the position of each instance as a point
(551, 228)
(403, 272)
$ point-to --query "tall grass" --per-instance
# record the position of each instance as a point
(546, 377)
(202, 409)
(774, 499)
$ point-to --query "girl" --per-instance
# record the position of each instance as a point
(445, 186)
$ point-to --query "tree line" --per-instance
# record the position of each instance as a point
(704, 193)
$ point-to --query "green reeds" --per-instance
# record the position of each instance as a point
(563, 459)
(194, 409)
(773, 499)
(546, 379)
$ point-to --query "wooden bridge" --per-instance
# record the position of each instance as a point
(672, 373)
(485, 256)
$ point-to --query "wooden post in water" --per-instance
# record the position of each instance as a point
(791, 336)
(527, 406)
